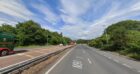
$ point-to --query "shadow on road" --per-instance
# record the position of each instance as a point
(15, 52)
(20, 51)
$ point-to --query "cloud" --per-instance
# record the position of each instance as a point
(71, 10)
(113, 16)
(88, 30)
(13, 11)
(49, 15)
(84, 19)
(6, 21)
(15, 8)
(75, 7)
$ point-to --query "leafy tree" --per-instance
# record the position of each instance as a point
(31, 33)
(123, 36)
(7, 28)
(82, 41)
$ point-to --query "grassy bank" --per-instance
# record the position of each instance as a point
(122, 37)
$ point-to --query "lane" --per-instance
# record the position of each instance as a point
(7, 61)
(74, 63)
(84, 60)
(106, 65)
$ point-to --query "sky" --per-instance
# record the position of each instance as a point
(77, 19)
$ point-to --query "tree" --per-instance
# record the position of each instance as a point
(30, 32)
(124, 37)
(8, 28)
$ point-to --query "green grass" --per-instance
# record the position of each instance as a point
(32, 46)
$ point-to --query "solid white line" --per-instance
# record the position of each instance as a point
(23, 61)
(21, 54)
(58, 62)
(25, 55)
(30, 56)
(104, 52)
(116, 60)
(126, 65)
(104, 55)
(109, 57)
(38, 51)
(89, 61)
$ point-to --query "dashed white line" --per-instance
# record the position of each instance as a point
(58, 62)
(126, 65)
(79, 57)
(89, 61)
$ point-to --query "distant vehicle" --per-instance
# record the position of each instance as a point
(61, 44)
(7, 43)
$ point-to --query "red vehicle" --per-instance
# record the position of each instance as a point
(7, 43)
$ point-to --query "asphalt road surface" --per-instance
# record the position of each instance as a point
(84, 60)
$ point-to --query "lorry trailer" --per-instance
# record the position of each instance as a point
(7, 43)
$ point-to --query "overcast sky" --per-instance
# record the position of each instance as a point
(77, 19)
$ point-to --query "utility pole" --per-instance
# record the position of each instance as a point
(106, 34)
(47, 38)
(62, 40)
(61, 37)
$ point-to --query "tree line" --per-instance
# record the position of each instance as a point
(122, 37)
(82, 41)
(31, 33)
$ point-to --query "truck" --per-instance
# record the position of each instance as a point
(7, 43)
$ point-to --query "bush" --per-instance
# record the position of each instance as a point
(123, 37)
(135, 56)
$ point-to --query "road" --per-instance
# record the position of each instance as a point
(10, 60)
(84, 60)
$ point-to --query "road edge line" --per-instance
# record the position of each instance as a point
(58, 62)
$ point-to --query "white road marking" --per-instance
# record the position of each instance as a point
(126, 65)
(115, 60)
(19, 62)
(89, 61)
(109, 57)
(4, 57)
(79, 57)
(92, 59)
(28, 55)
(21, 54)
(44, 49)
(104, 55)
(58, 62)
(38, 51)
(104, 52)
(84, 51)
(77, 64)
(139, 71)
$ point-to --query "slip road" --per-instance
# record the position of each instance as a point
(84, 60)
